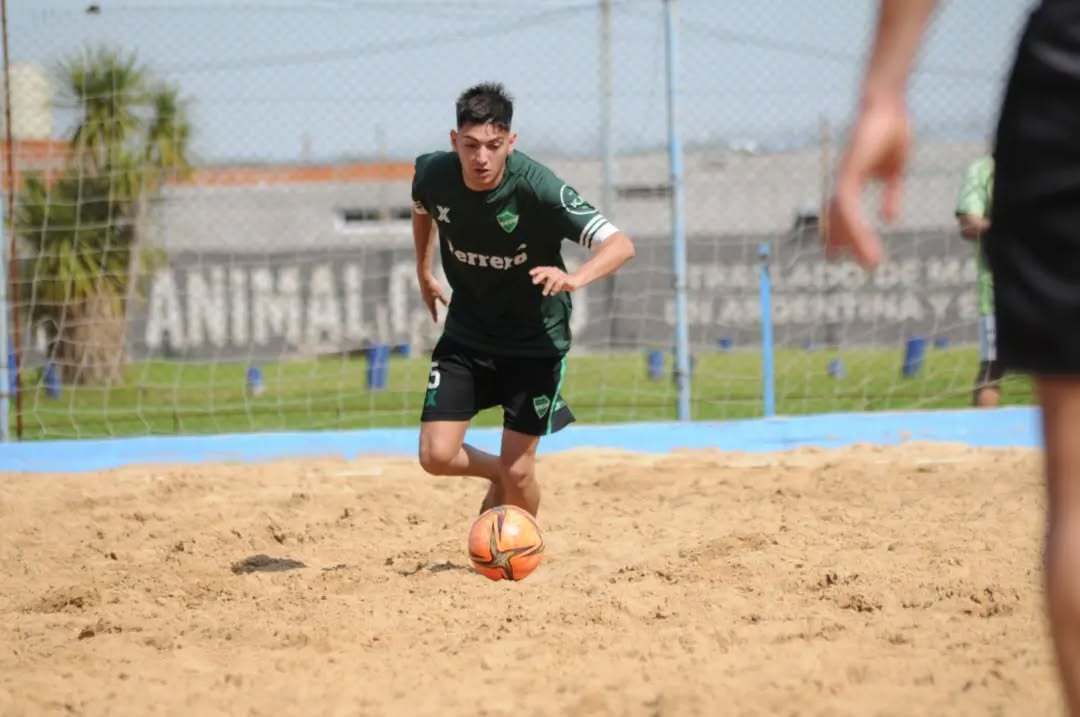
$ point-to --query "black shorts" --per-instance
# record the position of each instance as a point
(1034, 241)
(989, 375)
(463, 382)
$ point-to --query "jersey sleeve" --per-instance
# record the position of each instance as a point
(975, 191)
(419, 176)
(570, 216)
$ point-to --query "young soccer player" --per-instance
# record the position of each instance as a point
(501, 218)
(1033, 247)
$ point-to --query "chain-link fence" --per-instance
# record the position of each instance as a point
(211, 203)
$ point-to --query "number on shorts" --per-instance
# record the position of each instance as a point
(434, 378)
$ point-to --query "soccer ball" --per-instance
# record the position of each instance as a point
(505, 543)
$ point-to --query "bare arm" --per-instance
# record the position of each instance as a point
(972, 226)
(900, 28)
(424, 243)
(606, 259)
(880, 138)
(423, 240)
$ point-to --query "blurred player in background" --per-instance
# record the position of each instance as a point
(1033, 246)
(973, 215)
(501, 218)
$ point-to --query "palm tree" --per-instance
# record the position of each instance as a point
(169, 133)
(83, 228)
(164, 158)
(79, 241)
(107, 87)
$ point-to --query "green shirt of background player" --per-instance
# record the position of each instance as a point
(501, 219)
(973, 215)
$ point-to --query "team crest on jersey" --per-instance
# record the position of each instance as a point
(541, 404)
(508, 220)
(573, 203)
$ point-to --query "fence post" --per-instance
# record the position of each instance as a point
(678, 225)
(768, 378)
(9, 263)
(607, 98)
(5, 373)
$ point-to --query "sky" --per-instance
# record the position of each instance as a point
(314, 80)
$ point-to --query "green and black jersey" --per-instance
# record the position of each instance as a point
(490, 240)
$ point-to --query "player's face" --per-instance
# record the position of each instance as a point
(483, 149)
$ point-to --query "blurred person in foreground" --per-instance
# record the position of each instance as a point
(1033, 247)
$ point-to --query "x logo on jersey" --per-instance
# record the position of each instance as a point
(444, 213)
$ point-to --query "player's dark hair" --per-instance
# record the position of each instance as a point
(484, 103)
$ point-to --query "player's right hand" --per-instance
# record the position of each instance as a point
(431, 291)
(878, 150)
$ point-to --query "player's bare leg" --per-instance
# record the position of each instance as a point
(517, 464)
(987, 397)
(443, 452)
(494, 496)
(987, 392)
(1060, 400)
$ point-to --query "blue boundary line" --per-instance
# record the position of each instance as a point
(1002, 427)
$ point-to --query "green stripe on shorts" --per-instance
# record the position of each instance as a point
(555, 398)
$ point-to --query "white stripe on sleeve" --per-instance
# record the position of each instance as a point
(583, 240)
(603, 233)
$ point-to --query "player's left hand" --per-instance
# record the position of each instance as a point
(553, 280)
